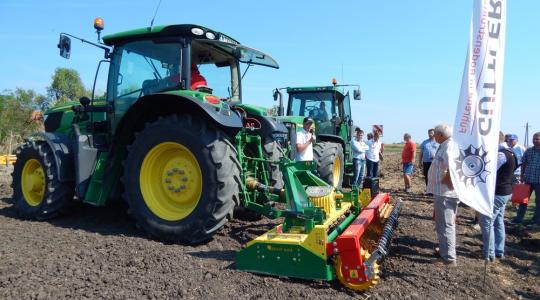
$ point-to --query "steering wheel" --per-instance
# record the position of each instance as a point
(312, 110)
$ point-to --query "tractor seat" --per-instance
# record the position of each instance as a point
(149, 86)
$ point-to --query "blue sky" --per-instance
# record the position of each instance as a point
(407, 56)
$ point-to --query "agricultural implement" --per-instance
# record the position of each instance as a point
(183, 151)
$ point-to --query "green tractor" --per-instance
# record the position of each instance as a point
(172, 137)
(330, 108)
(160, 137)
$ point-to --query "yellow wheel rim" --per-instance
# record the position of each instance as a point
(336, 171)
(170, 181)
(33, 182)
(358, 286)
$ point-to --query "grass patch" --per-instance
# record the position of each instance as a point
(393, 147)
(511, 212)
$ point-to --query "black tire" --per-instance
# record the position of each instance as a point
(325, 155)
(55, 193)
(272, 150)
(220, 174)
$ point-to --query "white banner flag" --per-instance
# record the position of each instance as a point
(476, 130)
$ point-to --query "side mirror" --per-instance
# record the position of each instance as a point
(357, 95)
(65, 46)
(85, 101)
(279, 97)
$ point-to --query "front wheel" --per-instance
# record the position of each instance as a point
(181, 179)
(37, 192)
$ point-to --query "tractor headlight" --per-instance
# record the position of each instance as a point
(210, 35)
(197, 31)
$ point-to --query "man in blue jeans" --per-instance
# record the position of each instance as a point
(359, 148)
(493, 232)
(530, 174)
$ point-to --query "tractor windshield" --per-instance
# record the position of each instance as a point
(147, 67)
(318, 105)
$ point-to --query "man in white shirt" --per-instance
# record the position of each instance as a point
(372, 155)
(304, 141)
(359, 148)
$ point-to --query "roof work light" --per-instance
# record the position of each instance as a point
(99, 25)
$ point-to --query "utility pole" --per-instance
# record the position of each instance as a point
(526, 142)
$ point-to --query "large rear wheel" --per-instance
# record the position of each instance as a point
(181, 179)
(272, 151)
(330, 162)
(37, 192)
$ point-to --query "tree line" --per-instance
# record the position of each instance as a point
(18, 107)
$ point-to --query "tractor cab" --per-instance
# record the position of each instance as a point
(188, 61)
(324, 105)
(329, 106)
(179, 57)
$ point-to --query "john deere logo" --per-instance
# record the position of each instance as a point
(471, 165)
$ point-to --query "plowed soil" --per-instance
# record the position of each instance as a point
(99, 253)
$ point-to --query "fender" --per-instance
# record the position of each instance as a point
(332, 138)
(62, 148)
(223, 116)
(270, 127)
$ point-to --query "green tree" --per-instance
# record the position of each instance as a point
(15, 111)
(66, 85)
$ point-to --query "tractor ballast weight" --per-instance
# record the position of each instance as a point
(183, 157)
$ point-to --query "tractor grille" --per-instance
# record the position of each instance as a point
(53, 121)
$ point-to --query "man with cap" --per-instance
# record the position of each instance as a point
(512, 142)
(304, 141)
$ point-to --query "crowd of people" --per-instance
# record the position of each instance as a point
(515, 165)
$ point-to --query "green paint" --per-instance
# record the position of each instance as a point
(341, 227)
(254, 109)
(97, 193)
(283, 260)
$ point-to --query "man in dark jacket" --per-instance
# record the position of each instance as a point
(493, 233)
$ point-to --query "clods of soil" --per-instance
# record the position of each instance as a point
(99, 253)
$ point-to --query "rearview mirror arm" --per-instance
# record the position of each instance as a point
(105, 48)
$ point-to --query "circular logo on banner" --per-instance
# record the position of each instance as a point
(472, 165)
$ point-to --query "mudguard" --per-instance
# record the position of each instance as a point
(223, 115)
(62, 148)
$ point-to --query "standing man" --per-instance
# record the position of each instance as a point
(493, 232)
(530, 174)
(359, 148)
(445, 198)
(304, 141)
(373, 155)
(427, 152)
(512, 142)
(407, 158)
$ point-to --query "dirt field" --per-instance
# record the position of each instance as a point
(98, 253)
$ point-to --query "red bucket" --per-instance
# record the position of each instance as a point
(521, 193)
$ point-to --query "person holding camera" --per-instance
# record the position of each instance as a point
(304, 141)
